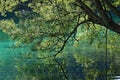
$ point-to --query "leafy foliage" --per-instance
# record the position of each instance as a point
(57, 26)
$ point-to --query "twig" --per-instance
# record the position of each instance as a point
(61, 67)
(64, 43)
(106, 58)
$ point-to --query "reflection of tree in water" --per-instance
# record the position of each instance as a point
(48, 27)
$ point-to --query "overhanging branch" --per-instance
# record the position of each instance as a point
(105, 21)
(93, 16)
(113, 8)
(64, 43)
(102, 12)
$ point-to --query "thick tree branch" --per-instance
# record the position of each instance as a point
(104, 21)
(114, 27)
(93, 16)
(113, 8)
(102, 12)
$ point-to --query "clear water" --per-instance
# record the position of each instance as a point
(7, 57)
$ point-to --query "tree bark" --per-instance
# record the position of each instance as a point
(112, 8)
(114, 27)
(103, 19)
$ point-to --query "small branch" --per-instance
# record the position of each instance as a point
(64, 43)
(74, 36)
(106, 58)
(61, 67)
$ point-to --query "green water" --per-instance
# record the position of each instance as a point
(8, 54)
(7, 57)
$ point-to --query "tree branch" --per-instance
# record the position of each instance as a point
(108, 23)
(64, 43)
(102, 12)
(61, 67)
(113, 8)
(93, 16)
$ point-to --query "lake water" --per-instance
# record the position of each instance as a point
(8, 55)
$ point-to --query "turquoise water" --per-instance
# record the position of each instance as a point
(7, 57)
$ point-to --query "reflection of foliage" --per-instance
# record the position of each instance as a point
(91, 62)
(49, 29)
(39, 69)
(96, 62)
